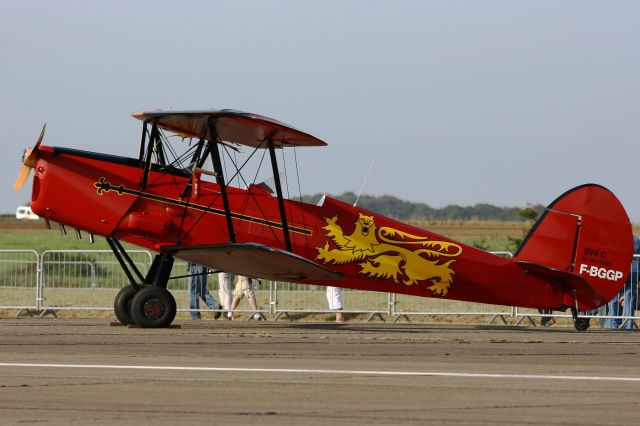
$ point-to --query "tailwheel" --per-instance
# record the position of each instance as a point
(581, 324)
(122, 304)
(153, 307)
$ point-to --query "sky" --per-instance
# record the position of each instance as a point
(455, 102)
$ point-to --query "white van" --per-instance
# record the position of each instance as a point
(25, 212)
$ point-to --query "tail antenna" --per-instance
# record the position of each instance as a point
(365, 181)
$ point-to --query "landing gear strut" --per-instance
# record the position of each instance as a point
(146, 302)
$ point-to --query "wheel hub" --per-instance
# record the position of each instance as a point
(153, 308)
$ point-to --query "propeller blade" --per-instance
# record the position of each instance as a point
(32, 156)
(39, 141)
(23, 175)
(29, 162)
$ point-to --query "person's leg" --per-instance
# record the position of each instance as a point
(224, 289)
(545, 320)
(613, 309)
(247, 290)
(221, 289)
(235, 302)
(211, 302)
(335, 299)
(633, 292)
(340, 304)
(239, 290)
(602, 311)
(207, 297)
(251, 299)
(194, 303)
(330, 297)
(230, 289)
(203, 291)
(201, 283)
(630, 300)
(252, 302)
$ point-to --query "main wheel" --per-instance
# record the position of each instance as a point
(153, 307)
(122, 304)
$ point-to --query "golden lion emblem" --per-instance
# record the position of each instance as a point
(386, 253)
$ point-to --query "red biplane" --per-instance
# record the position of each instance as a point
(576, 256)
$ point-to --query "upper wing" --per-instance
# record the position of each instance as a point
(254, 260)
(238, 127)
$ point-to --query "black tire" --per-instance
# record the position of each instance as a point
(581, 324)
(122, 304)
(153, 307)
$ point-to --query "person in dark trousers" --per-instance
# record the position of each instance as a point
(198, 290)
(547, 320)
(624, 303)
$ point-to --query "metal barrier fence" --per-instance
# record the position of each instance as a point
(84, 279)
(19, 277)
(290, 298)
(90, 279)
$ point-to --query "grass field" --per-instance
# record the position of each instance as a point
(486, 235)
(33, 235)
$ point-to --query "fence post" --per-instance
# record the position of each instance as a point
(273, 297)
(391, 306)
(39, 283)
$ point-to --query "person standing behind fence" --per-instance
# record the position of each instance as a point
(336, 301)
(625, 303)
(546, 320)
(244, 287)
(225, 279)
(198, 290)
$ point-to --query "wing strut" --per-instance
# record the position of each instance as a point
(155, 134)
(276, 178)
(217, 167)
(143, 139)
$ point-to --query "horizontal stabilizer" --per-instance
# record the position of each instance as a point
(576, 283)
(254, 260)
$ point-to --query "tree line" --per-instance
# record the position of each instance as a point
(405, 210)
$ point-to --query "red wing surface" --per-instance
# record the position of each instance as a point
(233, 126)
(255, 260)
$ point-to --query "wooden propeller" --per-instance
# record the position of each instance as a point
(29, 159)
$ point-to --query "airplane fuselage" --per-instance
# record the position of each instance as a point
(103, 195)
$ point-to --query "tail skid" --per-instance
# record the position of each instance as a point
(582, 244)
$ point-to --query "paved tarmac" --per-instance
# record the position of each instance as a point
(79, 371)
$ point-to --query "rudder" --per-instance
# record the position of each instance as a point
(584, 232)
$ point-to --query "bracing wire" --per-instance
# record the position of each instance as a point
(239, 169)
(364, 182)
(286, 179)
(304, 222)
(177, 160)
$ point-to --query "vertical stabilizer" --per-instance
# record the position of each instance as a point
(584, 232)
